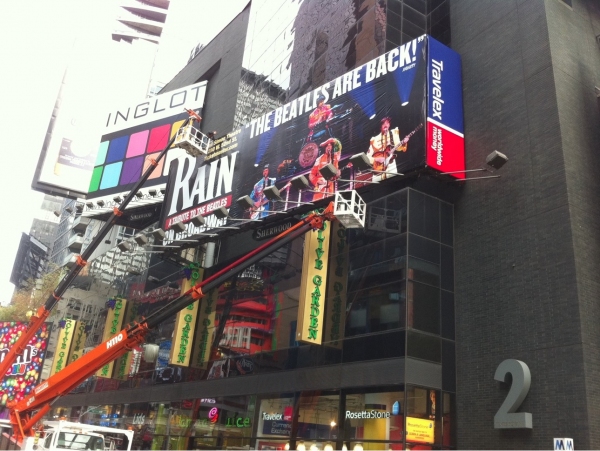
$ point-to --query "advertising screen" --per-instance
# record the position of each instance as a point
(382, 109)
(25, 372)
(134, 134)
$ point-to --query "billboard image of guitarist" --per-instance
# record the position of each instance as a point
(383, 149)
(323, 187)
(261, 203)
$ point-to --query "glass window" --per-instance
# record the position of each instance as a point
(376, 309)
(423, 307)
(447, 311)
(446, 224)
(448, 420)
(422, 346)
(414, 17)
(376, 420)
(423, 416)
(448, 366)
(374, 347)
(447, 258)
(423, 271)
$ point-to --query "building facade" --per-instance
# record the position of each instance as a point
(456, 293)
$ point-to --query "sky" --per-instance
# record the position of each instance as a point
(38, 39)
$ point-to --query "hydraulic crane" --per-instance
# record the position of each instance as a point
(44, 311)
(195, 143)
(22, 414)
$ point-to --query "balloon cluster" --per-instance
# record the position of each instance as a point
(25, 372)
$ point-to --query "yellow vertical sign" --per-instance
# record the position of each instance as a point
(185, 327)
(65, 338)
(205, 327)
(123, 363)
(337, 287)
(79, 337)
(114, 322)
(311, 306)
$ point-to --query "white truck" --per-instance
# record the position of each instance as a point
(59, 435)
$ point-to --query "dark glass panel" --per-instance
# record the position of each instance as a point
(446, 224)
(448, 366)
(422, 271)
(412, 30)
(395, 6)
(416, 213)
(447, 311)
(425, 347)
(423, 248)
(414, 16)
(447, 255)
(393, 35)
(448, 420)
(373, 347)
(376, 309)
(423, 307)
(419, 5)
(395, 20)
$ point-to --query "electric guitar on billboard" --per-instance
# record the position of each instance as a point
(259, 205)
(383, 158)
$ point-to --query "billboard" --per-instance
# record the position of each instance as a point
(388, 108)
(114, 321)
(63, 346)
(136, 133)
(25, 372)
(185, 327)
(71, 140)
(79, 337)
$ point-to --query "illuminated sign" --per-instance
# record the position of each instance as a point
(367, 414)
(63, 347)
(134, 134)
(238, 422)
(185, 327)
(204, 330)
(312, 288)
(114, 322)
(420, 430)
(213, 415)
(25, 373)
(402, 109)
(337, 287)
(79, 337)
(445, 128)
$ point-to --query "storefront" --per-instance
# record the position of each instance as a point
(381, 418)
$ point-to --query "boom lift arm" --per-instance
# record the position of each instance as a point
(43, 312)
(44, 395)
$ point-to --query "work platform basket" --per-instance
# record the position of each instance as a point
(350, 209)
(192, 140)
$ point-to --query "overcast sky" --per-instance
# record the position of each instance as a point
(36, 42)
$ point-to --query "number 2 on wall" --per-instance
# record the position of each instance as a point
(506, 418)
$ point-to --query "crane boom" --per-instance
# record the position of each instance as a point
(61, 383)
(44, 311)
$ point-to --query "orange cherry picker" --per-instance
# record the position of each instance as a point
(26, 413)
(22, 414)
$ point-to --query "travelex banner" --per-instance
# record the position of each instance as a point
(403, 109)
(135, 134)
(25, 373)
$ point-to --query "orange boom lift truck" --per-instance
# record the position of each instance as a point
(25, 414)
